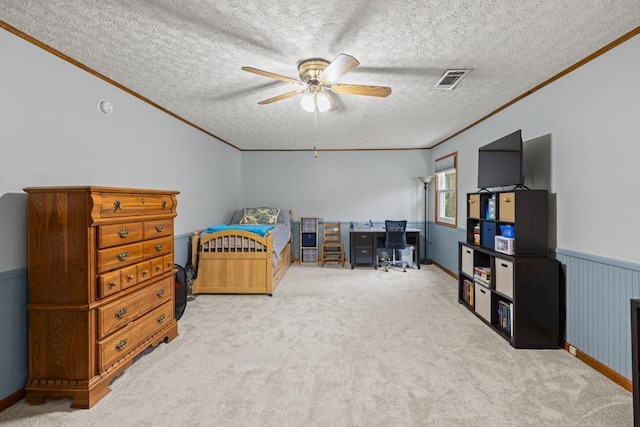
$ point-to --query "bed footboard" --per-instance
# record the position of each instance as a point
(233, 261)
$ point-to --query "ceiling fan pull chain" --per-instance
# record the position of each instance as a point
(315, 131)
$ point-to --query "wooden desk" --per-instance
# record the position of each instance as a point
(364, 245)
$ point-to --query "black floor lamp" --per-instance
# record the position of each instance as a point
(426, 180)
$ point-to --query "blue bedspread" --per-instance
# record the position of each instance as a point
(259, 229)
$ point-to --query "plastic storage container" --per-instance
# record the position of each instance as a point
(406, 255)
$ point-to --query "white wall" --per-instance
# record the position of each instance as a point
(338, 185)
(53, 134)
(591, 116)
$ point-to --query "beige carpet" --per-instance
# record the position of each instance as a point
(340, 347)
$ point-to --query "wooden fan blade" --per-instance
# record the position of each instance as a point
(337, 68)
(272, 75)
(381, 91)
(281, 97)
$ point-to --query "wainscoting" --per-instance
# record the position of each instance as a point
(598, 294)
(14, 359)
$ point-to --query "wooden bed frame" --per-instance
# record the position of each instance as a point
(237, 262)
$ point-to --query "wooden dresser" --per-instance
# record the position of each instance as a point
(101, 279)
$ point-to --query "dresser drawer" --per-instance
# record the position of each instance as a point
(123, 205)
(363, 240)
(119, 256)
(128, 276)
(109, 283)
(364, 255)
(115, 315)
(143, 271)
(167, 260)
(158, 228)
(157, 266)
(118, 234)
(123, 342)
(156, 247)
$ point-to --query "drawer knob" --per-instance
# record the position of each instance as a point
(122, 344)
(145, 272)
(159, 228)
(124, 232)
(112, 285)
(364, 251)
(160, 293)
(117, 205)
(123, 255)
(164, 204)
(120, 313)
(158, 267)
(129, 278)
(143, 201)
(159, 246)
(161, 318)
(507, 200)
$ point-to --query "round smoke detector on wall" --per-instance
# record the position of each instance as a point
(105, 107)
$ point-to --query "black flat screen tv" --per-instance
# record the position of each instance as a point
(500, 162)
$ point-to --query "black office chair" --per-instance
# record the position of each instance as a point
(395, 239)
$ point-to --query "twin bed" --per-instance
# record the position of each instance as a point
(247, 256)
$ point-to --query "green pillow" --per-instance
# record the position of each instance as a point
(260, 216)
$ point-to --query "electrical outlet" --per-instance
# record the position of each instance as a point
(573, 350)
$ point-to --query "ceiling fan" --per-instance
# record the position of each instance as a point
(320, 77)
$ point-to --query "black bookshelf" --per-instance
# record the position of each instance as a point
(517, 293)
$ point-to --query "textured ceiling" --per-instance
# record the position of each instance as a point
(186, 56)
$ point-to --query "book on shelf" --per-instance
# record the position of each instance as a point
(482, 275)
(482, 272)
(505, 317)
(467, 292)
(482, 283)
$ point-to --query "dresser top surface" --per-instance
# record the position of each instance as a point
(96, 189)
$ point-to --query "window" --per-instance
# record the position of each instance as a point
(446, 185)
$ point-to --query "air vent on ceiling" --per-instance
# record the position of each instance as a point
(450, 79)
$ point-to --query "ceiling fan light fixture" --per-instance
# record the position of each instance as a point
(320, 100)
(323, 102)
(308, 102)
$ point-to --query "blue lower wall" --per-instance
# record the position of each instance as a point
(444, 245)
(598, 294)
(14, 366)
